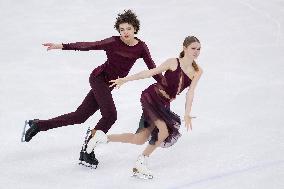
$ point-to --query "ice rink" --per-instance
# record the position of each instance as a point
(237, 141)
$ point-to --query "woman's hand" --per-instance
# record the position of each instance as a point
(187, 120)
(51, 46)
(117, 82)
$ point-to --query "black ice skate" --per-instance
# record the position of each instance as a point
(88, 160)
(29, 133)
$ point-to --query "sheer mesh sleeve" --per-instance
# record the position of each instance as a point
(86, 46)
(150, 64)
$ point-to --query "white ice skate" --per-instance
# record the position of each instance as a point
(141, 169)
(99, 138)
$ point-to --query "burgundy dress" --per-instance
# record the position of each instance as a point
(156, 106)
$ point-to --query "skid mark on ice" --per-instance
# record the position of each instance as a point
(230, 173)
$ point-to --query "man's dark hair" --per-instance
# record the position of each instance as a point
(127, 17)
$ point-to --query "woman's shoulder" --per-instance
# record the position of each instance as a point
(172, 60)
(172, 63)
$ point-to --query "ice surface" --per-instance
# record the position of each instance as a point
(237, 139)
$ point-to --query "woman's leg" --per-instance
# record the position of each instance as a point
(141, 166)
(162, 135)
(138, 138)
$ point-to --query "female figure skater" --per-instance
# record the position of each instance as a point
(157, 121)
(122, 52)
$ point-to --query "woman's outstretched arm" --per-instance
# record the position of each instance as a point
(189, 98)
(143, 74)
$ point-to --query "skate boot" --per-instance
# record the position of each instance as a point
(31, 132)
(99, 138)
(88, 159)
(141, 169)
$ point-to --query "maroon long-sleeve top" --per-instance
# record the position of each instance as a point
(120, 56)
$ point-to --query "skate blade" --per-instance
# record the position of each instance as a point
(24, 131)
(82, 163)
(137, 174)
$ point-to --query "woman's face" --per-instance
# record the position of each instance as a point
(193, 50)
(126, 31)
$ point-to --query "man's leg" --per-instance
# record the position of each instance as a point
(88, 107)
(103, 96)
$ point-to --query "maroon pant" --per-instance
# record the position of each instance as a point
(99, 97)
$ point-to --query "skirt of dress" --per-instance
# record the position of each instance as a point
(156, 107)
